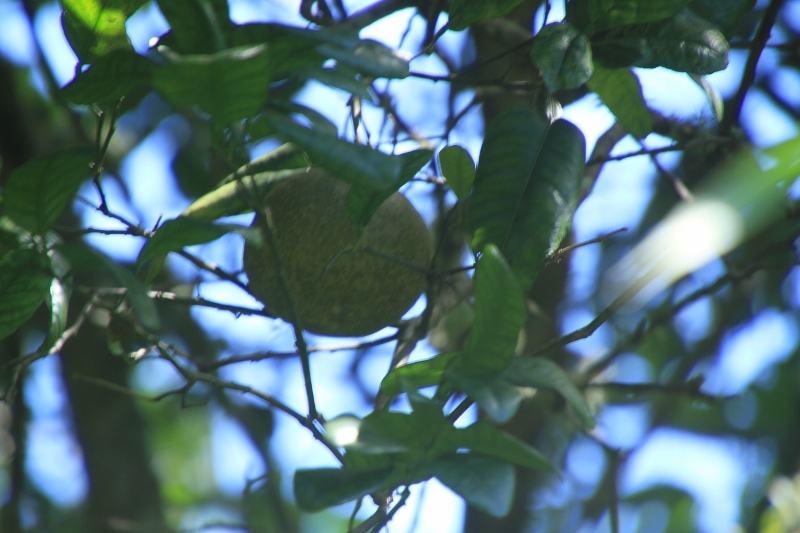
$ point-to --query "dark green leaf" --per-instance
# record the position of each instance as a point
(563, 55)
(359, 165)
(458, 169)
(541, 373)
(25, 280)
(621, 92)
(499, 315)
(405, 431)
(229, 86)
(319, 122)
(339, 78)
(597, 15)
(285, 157)
(237, 197)
(418, 375)
(94, 28)
(487, 439)
(484, 482)
(109, 79)
(85, 258)
(321, 488)
(291, 49)
(362, 202)
(198, 26)
(181, 232)
(464, 13)
(725, 14)
(368, 57)
(526, 188)
(494, 395)
(38, 191)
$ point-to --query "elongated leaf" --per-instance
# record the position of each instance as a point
(321, 488)
(715, 99)
(458, 169)
(563, 55)
(109, 79)
(464, 13)
(596, 15)
(370, 58)
(94, 28)
(198, 27)
(285, 157)
(360, 165)
(418, 375)
(484, 482)
(499, 316)
(725, 14)
(181, 232)
(363, 202)
(413, 431)
(236, 197)
(38, 191)
(85, 258)
(487, 439)
(339, 78)
(541, 373)
(526, 188)
(58, 298)
(230, 85)
(621, 92)
(25, 279)
(494, 395)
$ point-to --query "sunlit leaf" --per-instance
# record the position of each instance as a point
(38, 191)
(621, 92)
(484, 482)
(94, 28)
(229, 86)
(25, 281)
(563, 55)
(526, 188)
(320, 488)
(458, 169)
(538, 372)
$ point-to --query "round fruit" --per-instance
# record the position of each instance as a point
(337, 290)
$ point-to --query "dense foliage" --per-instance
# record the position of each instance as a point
(489, 390)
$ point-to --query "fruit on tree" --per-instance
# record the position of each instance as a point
(336, 287)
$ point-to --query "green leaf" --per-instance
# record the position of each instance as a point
(542, 373)
(499, 315)
(95, 28)
(563, 55)
(230, 85)
(320, 488)
(198, 26)
(418, 375)
(714, 98)
(368, 57)
(496, 396)
(58, 298)
(363, 202)
(405, 431)
(237, 197)
(458, 169)
(725, 14)
(484, 482)
(487, 439)
(359, 165)
(25, 280)
(526, 188)
(109, 79)
(85, 258)
(597, 15)
(319, 122)
(339, 77)
(621, 92)
(38, 191)
(464, 13)
(181, 232)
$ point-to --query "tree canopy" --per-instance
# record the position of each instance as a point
(609, 315)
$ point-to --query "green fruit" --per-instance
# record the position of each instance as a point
(337, 290)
